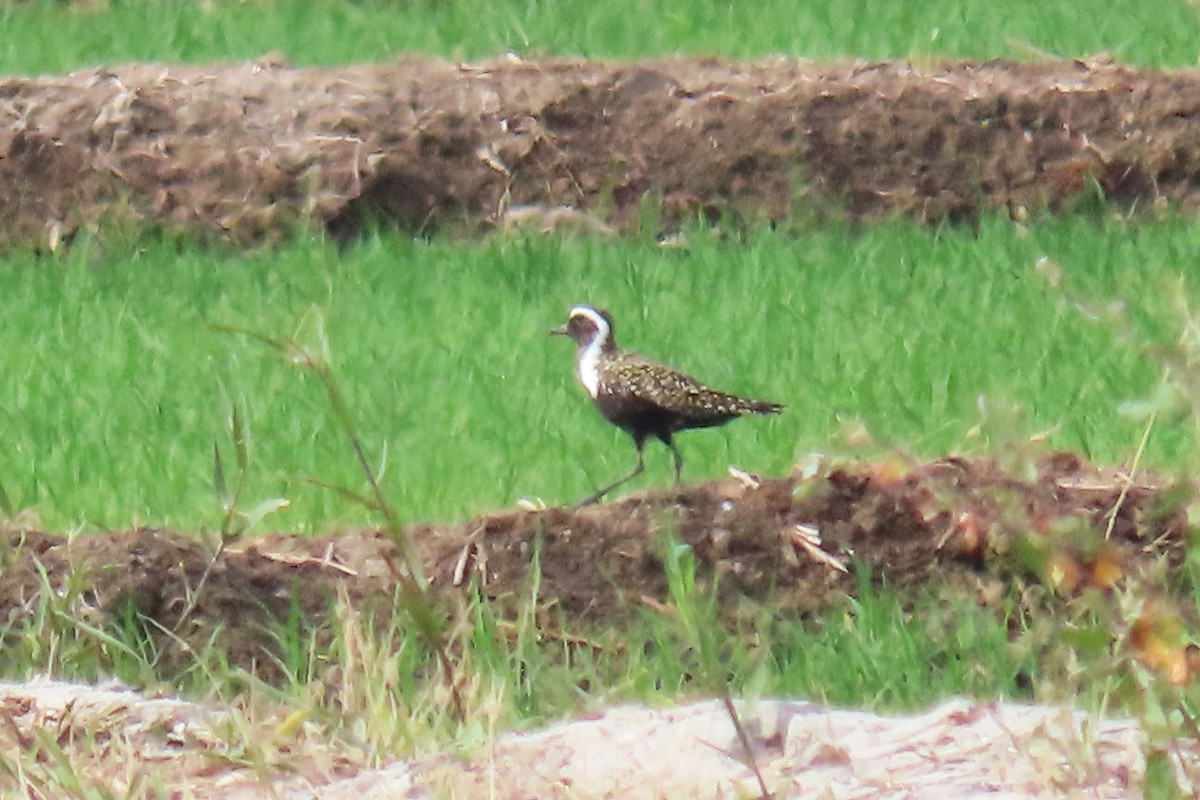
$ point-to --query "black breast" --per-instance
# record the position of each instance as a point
(641, 416)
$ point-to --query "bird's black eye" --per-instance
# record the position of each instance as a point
(580, 327)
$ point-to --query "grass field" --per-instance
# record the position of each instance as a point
(118, 386)
(49, 36)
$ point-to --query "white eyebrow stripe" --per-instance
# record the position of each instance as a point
(593, 315)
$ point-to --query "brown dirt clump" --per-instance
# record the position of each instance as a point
(793, 545)
(248, 152)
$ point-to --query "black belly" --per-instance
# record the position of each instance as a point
(641, 418)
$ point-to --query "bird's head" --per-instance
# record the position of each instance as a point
(588, 326)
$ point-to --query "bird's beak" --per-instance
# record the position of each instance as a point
(560, 330)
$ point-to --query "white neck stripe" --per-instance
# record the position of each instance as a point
(589, 354)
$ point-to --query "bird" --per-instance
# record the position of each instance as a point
(643, 397)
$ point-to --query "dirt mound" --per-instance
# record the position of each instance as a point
(798, 543)
(250, 151)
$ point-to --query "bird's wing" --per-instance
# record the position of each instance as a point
(670, 389)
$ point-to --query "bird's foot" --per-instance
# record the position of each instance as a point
(590, 500)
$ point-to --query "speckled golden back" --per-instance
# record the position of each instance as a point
(658, 385)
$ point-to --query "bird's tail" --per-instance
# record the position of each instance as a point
(759, 406)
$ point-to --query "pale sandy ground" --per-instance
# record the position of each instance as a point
(134, 745)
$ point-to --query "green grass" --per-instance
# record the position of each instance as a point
(878, 650)
(874, 652)
(369, 693)
(117, 387)
(51, 36)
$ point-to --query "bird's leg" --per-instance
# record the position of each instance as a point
(670, 442)
(599, 493)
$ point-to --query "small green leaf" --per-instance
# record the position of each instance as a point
(219, 485)
(6, 505)
(1160, 777)
(681, 572)
(1166, 402)
(264, 510)
(1093, 641)
(349, 494)
(381, 470)
(238, 432)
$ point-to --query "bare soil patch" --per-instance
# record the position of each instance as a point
(250, 151)
(794, 545)
(122, 742)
